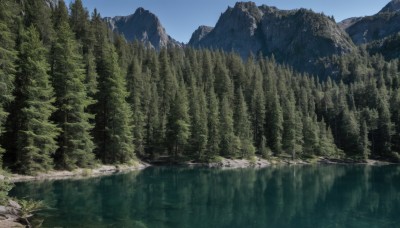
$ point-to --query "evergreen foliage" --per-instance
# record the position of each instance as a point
(75, 141)
(7, 64)
(36, 134)
(114, 132)
(114, 101)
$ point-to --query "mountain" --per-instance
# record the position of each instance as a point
(348, 22)
(379, 26)
(296, 37)
(392, 6)
(236, 29)
(143, 26)
(199, 34)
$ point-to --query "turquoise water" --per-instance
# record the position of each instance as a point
(297, 196)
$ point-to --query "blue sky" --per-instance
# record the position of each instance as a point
(181, 17)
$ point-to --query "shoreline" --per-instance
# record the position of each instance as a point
(103, 170)
(224, 163)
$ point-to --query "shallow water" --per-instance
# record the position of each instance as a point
(295, 196)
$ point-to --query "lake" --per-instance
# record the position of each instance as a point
(289, 196)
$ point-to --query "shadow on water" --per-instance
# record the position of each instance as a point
(297, 196)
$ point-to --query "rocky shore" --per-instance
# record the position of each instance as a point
(226, 163)
(103, 170)
(10, 215)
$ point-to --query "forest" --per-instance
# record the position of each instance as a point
(73, 94)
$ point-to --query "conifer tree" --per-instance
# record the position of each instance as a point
(198, 113)
(7, 66)
(364, 141)
(75, 142)
(113, 129)
(39, 14)
(169, 82)
(326, 146)
(274, 122)
(228, 139)
(258, 107)
(135, 85)
(350, 131)
(153, 131)
(384, 131)
(213, 123)
(264, 151)
(36, 134)
(289, 124)
(311, 137)
(299, 134)
(80, 25)
(243, 126)
(178, 125)
(79, 19)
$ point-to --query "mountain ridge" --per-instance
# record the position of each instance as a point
(143, 26)
(300, 34)
(383, 24)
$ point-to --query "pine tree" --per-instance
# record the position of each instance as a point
(364, 141)
(178, 125)
(80, 25)
(213, 123)
(113, 129)
(384, 132)
(258, 107)
(274, 122)
(153, 131)
(36, 135)
(169, 82)
(311, 137)
(75, 142)
(223, 83)
(326, 146)
(349, 132)
(7, 66)
(135, 86)
(243, 126)
(264, 150)
(198, 113)
(289, 125)
(229, 145)
(39, 14)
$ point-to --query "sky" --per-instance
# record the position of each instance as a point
(182, 17)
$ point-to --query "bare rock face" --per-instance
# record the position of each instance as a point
(392, 6)
(236, 30)
(199, 34)
(296, 37)
(383, 24)
(348, 22)
(143, 26)
(300, 37)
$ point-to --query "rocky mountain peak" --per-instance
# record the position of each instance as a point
(376, 27)
(199, 34)
(235, 30)
(249, 9)
(143, 26)
(296, 37)
(392, 6)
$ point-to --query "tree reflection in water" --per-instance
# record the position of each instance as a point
(290, 196)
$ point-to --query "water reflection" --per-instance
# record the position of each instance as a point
(308, 196)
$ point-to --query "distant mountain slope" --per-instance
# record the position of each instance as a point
(383, 24)
(392, 6)
(296, 37)
(143, 26)
(199, 34)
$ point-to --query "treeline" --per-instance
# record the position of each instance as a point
(74, 94)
